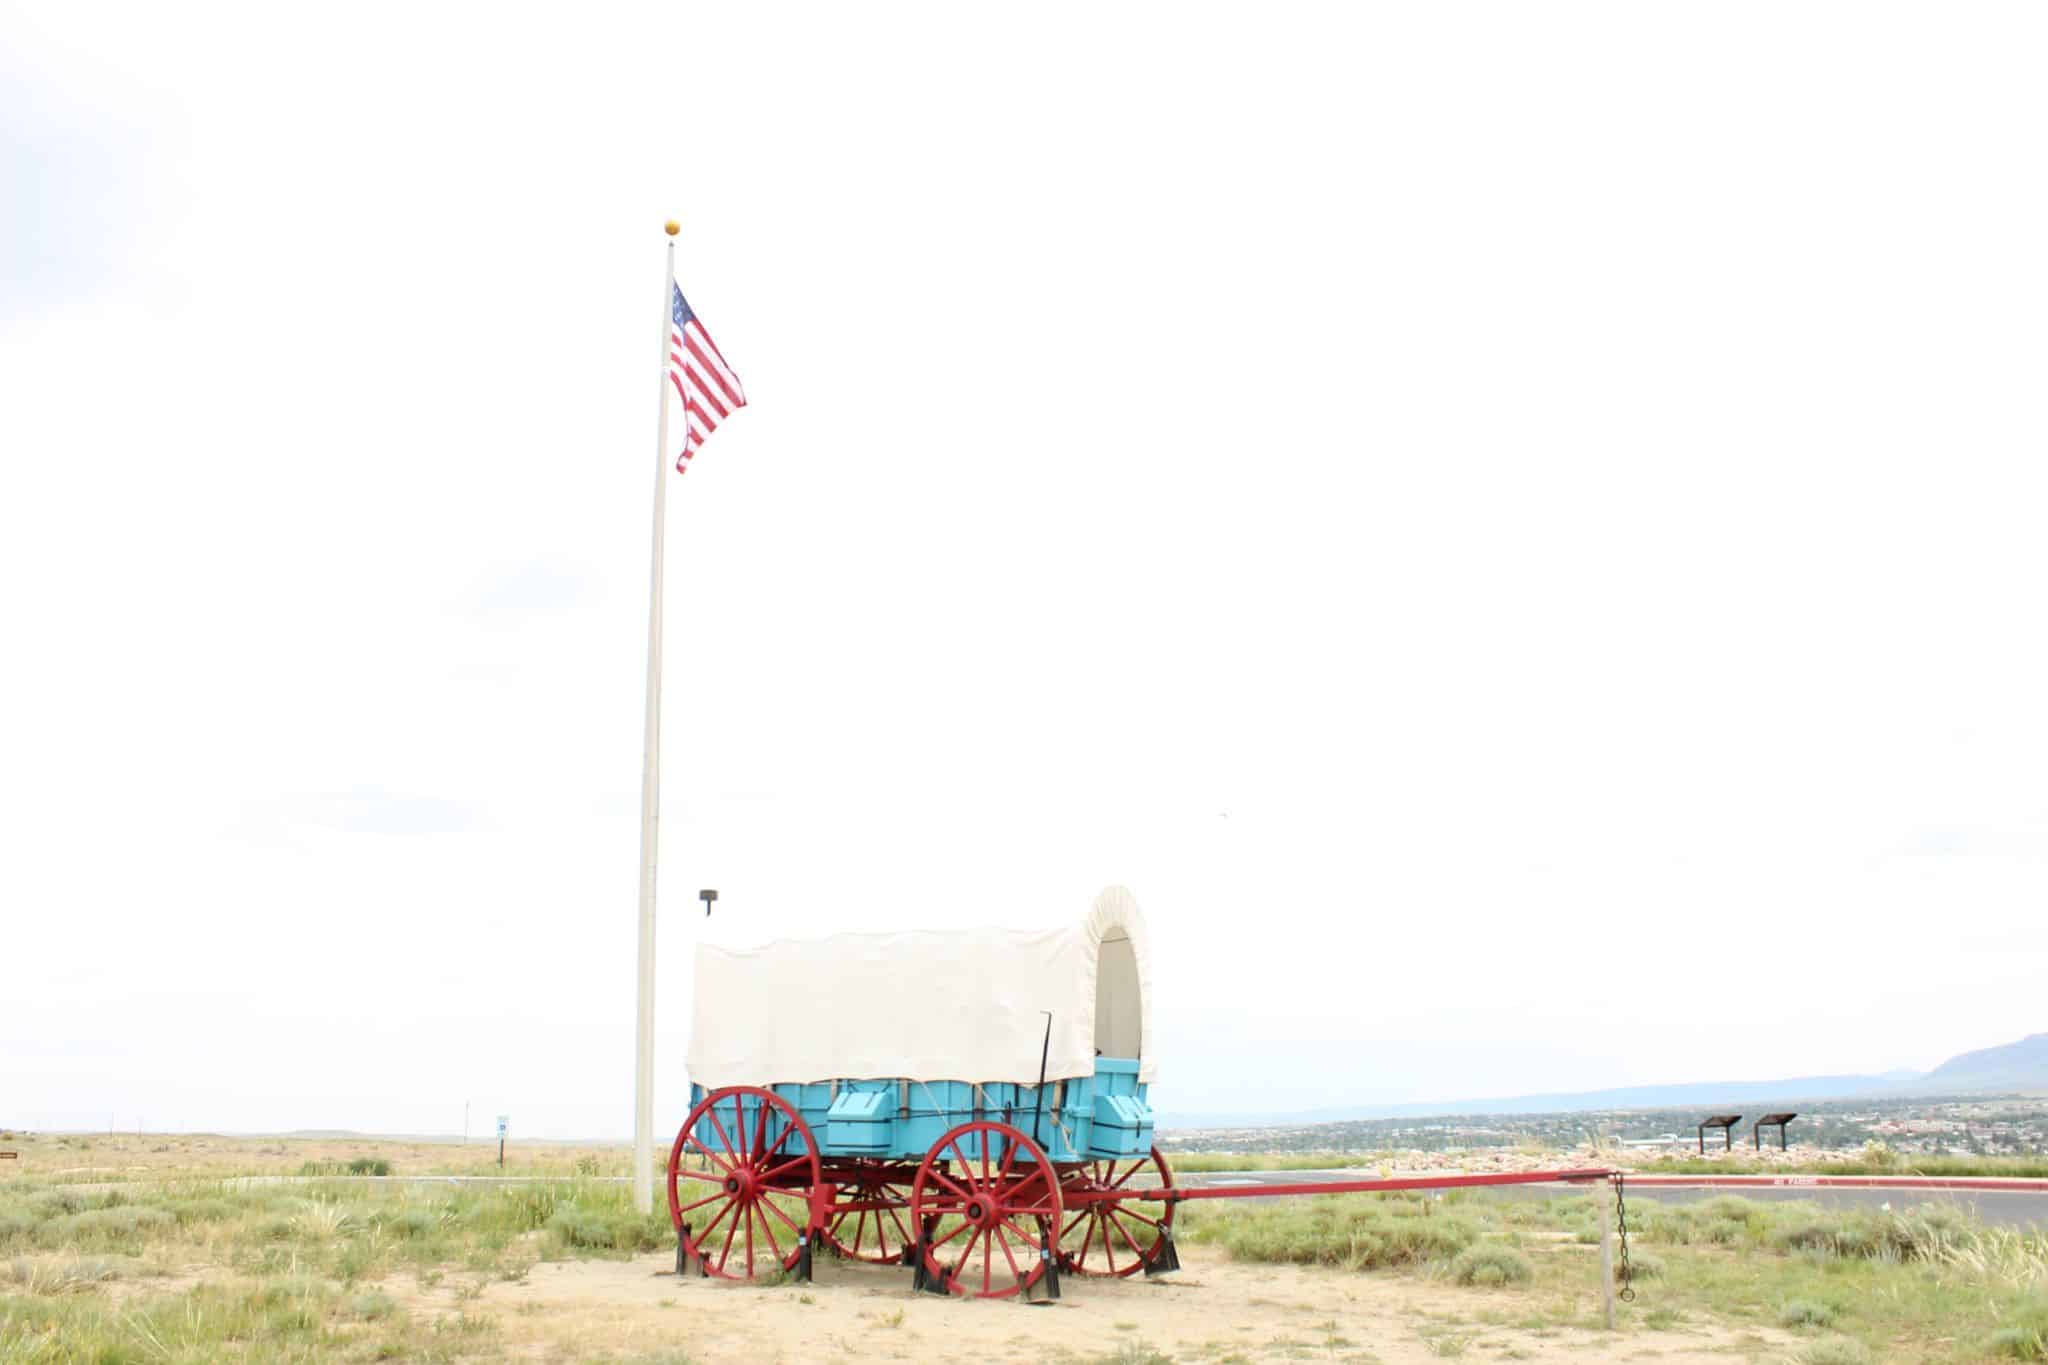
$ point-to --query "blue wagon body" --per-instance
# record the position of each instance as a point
(1087, 1118)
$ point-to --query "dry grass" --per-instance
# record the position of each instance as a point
(128, 1156)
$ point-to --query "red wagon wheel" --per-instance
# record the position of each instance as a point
(739, 1182)
(982, 1218)
(1110, 1236)
(871, 1217)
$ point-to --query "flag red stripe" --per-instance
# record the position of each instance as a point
(712, 370)
(707, 394)
(695, 331)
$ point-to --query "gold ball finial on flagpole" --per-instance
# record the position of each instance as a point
(671, 227)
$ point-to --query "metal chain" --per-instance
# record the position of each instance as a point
(1628, 1292)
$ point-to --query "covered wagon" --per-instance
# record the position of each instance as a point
(970, 1103)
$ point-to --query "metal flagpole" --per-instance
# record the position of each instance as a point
(650, 779)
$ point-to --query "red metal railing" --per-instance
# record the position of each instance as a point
(1181, 1193)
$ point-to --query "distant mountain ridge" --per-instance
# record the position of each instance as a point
(2014, 1066)
(2011, 1066)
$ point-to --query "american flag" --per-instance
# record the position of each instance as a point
(709, 388)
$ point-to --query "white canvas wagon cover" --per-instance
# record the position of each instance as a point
(930, 1005)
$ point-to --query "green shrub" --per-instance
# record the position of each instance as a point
(1133, 1353)
(526, 1208)
(55, 1204)
(49, 1277)
(373, 1306)
(356, 1259)
(1922, 1234)
(1806, 1313)
(413, 1224)
(1834, 1351)
(600, 1230)
(105, 1227)
(1726, 1220)
(2025, 1338)
(288, 1290)
(1357, 1232)
(364, 1165)
(1641, 1267)
(204, 1210)
(1491, 1264)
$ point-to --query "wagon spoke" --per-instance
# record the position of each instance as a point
(725, 1251)
(1022, 1235)
(859, 1226)
(719, 1217)
(725, 1137)
(1038, 1174)
(948, 1183)
(987, 1249)
(966, 1255)
(739, 1119)
(694, 1145)
(788, 1165)
(1108, 1247)
(1136, 1166)
(1009, 1160)
(902, 1232)
(1133, 1213)
(1006, 1254)
(1126, 1235)
(1071, 1226)
(951, 1235)
(707, 1199)
(769, 1228)
(1086, 1240)
(788, 1129)
(772, 1207)
(750, 1241)
(760, 1132)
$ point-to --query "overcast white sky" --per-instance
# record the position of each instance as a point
(1516, 530)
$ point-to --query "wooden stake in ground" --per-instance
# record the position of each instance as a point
(1603, 1195)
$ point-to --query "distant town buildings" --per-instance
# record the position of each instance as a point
(2007, 1125)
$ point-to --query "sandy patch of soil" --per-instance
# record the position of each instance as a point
(1215, 1310)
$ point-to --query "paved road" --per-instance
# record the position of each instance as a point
(2000, 1207)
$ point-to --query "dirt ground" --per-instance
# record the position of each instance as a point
(1213, 1311)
